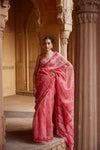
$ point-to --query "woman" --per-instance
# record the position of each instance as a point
(54, 92)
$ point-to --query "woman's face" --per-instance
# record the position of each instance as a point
(47, 44)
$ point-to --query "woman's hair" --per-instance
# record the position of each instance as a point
(49, 38)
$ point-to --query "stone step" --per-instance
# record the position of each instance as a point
(22, 140)
(19, 116)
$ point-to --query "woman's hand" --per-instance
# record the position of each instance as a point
(34, 91)
(52, 73)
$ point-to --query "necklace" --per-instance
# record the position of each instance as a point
(47, 56)
(48, 52)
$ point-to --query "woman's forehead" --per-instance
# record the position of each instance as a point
(47, 41)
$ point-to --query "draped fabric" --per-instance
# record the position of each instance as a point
(54, 109)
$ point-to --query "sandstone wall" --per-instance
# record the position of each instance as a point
(9, 55)
(29, 22)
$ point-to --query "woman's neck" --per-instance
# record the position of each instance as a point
(49, 51)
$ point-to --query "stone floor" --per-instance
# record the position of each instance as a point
(19, 112)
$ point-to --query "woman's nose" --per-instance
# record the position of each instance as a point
(47, 45)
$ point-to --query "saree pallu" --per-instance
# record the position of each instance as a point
(54, 109)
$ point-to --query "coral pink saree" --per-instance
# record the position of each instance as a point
(54, 109)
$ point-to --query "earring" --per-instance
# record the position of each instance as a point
(52, 46)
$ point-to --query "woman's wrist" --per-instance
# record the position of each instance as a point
(34, 91)
(34, 88)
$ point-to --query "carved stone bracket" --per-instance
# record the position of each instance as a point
(64, 18)
(3, 19)
(5, 4)
(64, 13)
(59, 4)
(67, 15)
(4, 7)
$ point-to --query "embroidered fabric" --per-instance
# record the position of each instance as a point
(54, 109)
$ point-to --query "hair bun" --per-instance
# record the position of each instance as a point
(49, 38)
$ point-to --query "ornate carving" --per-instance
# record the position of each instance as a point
(64, 41)
(4, 7)
(87, 18)
(64, 17)
(3, 19)
(65, 36)
(64, 13)
(86, 5)
(60, 17)
(67, 15)
(5, 4)
(59, 5)
(85, 11)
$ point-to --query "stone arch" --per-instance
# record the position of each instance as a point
(31, 28)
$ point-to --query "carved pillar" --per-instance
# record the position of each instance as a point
(3, 19)
(86, 13)
(64, 42)
(64, 18)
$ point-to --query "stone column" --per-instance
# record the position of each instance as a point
(64, 18)
(86, 13)
(3, 18)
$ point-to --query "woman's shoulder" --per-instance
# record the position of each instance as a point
(60, 56)
(39, 56)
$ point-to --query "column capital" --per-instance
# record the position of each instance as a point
(65, 36)
(86, 18)
(86, 5)
(86, 11)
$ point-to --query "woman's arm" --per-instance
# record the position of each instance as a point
(35, 74)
